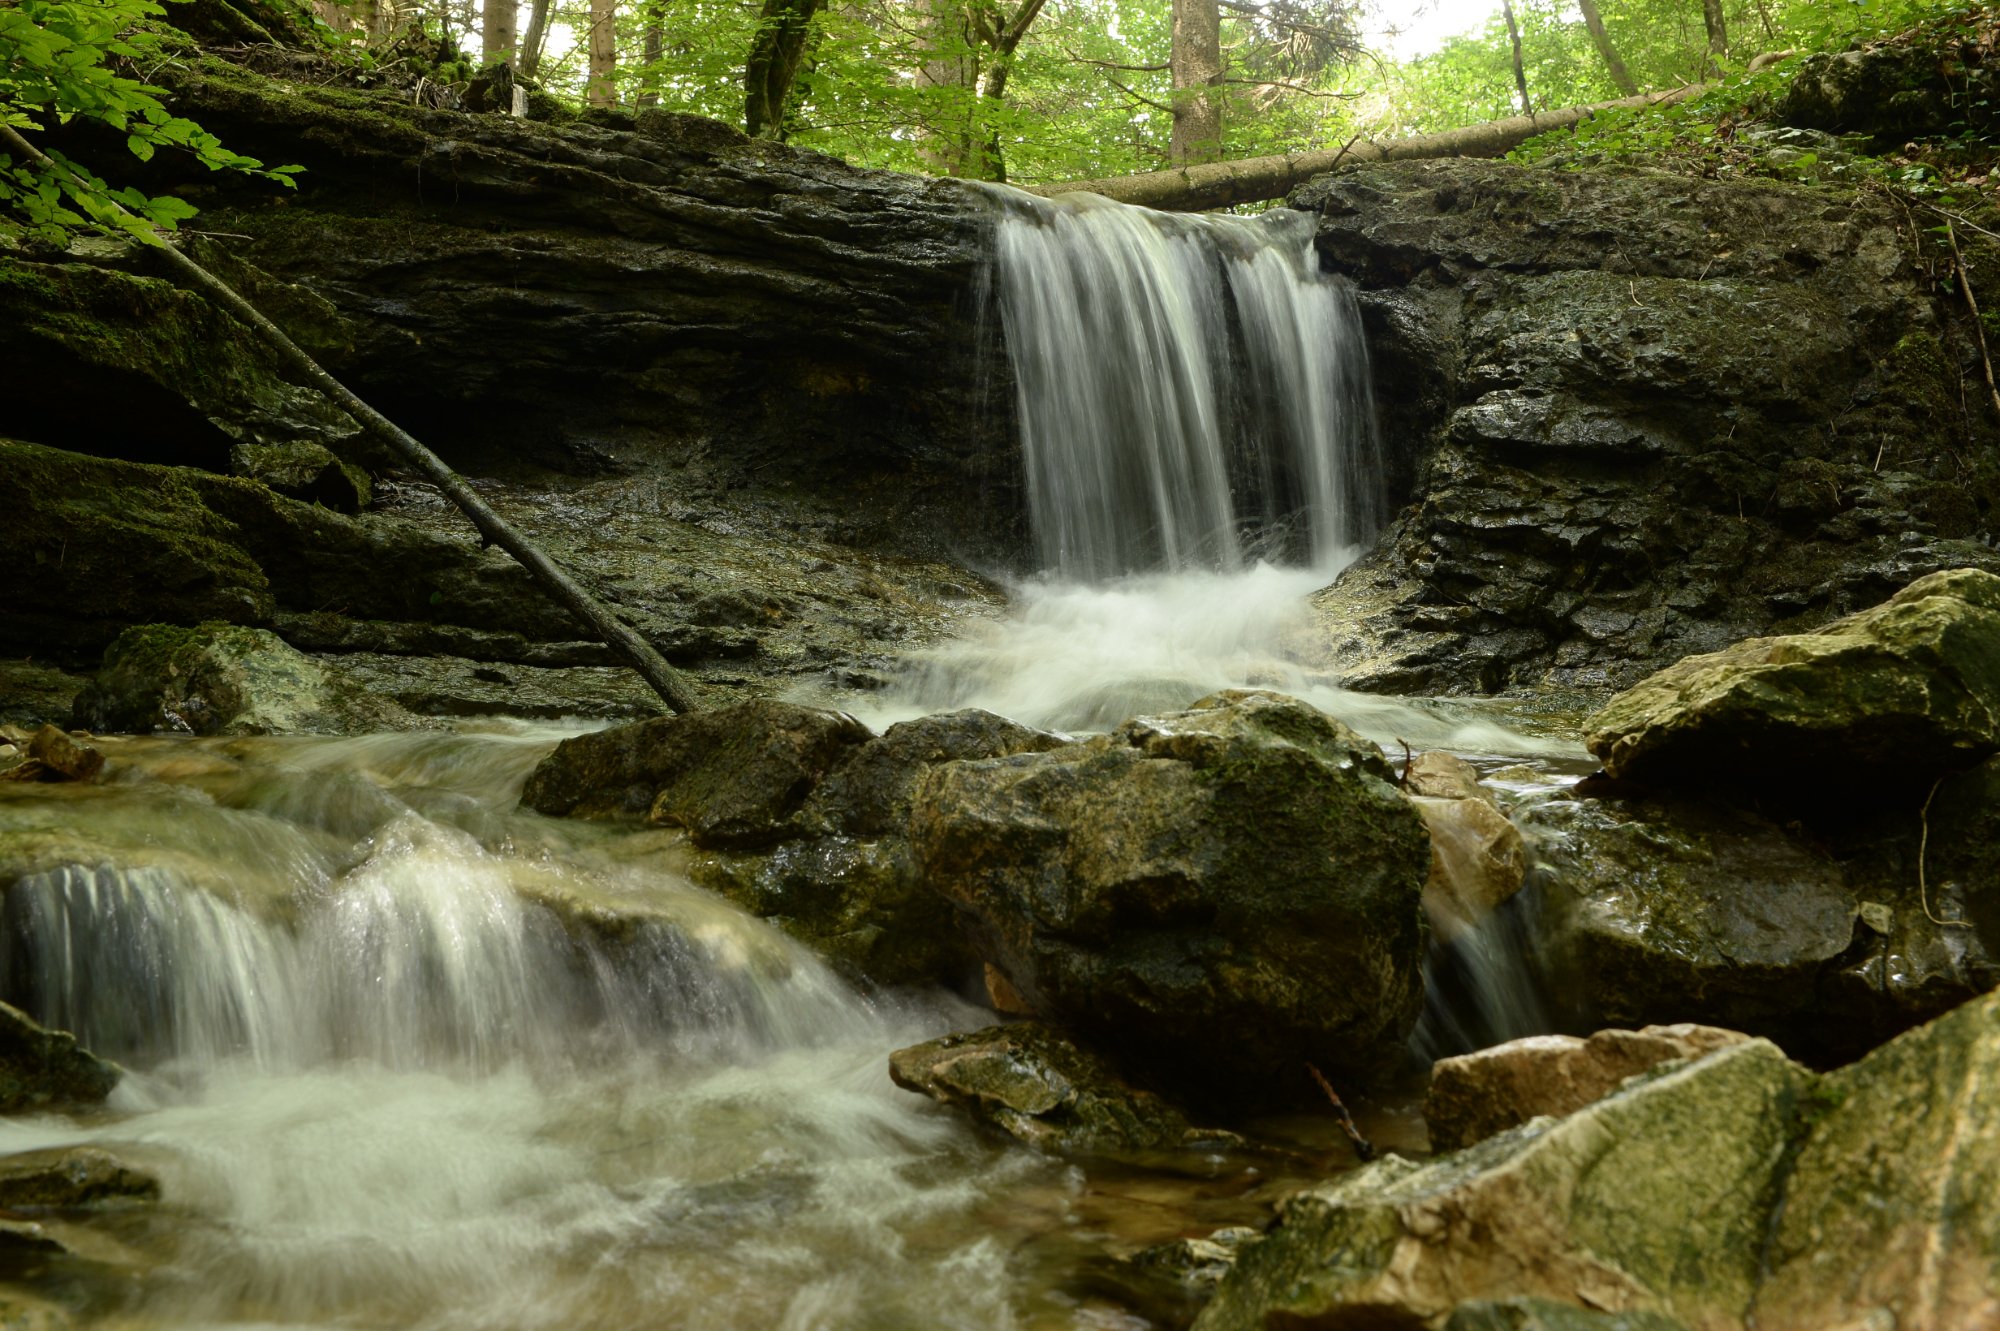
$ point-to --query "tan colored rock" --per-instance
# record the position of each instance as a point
(1002, 996)
(1656, 1199)
(1478, 861)
(1444, 776)
(68, 758)
(1476, 1095)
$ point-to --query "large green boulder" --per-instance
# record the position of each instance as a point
(1892, 1211)
(1877, 704)
(1655, 1199)
(1216, 897)
(224, 679)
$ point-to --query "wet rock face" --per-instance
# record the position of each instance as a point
(1871, 707)
(1640, 416)
(41, 1069)
(1655, 910)
(1216, 896)
(764, 322)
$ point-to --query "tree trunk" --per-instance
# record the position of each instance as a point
(655, 51)
(498, 29)
(1196, 66)
(537, 36)
(1255, 179)
(1621, 77)
(950, 69)
(1718, 37)
(601, 90)
(776, 53)
(1520, 69)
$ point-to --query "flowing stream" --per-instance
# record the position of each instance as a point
(403, 1055)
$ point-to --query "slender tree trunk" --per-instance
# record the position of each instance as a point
(1718, 36)
(498, 30)
(1621, 77)
(655, 51)
(1255, 179)
(776, 54)
(1520, 69)
(990, 158)
(672, 686)
(950, 72)
(537, 36)
(1196, 66)
(601, 90)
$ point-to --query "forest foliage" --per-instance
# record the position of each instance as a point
(1026, 90)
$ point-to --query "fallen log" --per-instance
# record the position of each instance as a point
(1255, 179)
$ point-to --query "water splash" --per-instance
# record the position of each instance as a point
(1192, 391)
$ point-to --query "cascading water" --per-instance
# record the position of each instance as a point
(1191, 390)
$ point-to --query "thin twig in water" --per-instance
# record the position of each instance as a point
(1404, 782)
(1923, 845)
(1363, 1148)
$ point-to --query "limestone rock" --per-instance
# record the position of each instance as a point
(306, 471)
(1478, 860)
(52, 755)
(732, 776)
(869, 793)
(1473, 1096)
(1216, 896)
(42, 1069)
(1655, 1199)
(859, 904)
(1892, 1211)
(1436, 774)
(1034, 1084)
(1878, 703)
(1618, 469)
(222, 679)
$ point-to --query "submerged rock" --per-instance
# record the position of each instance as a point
(1875, 705)
(1478, 858)
(1474, 1096)
(223, 679)
(1217, 896)
(41, 1069)
(1038, 1086)
(1655, 1199)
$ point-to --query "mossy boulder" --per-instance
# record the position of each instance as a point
(1874, 706)
(1034, 1084)
(869, 793)
(1892, 1210)
(1215, 897)
(224, 679)
(41, 1069)
(734, 777)
(1655, 1199)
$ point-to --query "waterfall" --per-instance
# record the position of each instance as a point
(1192, 390)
